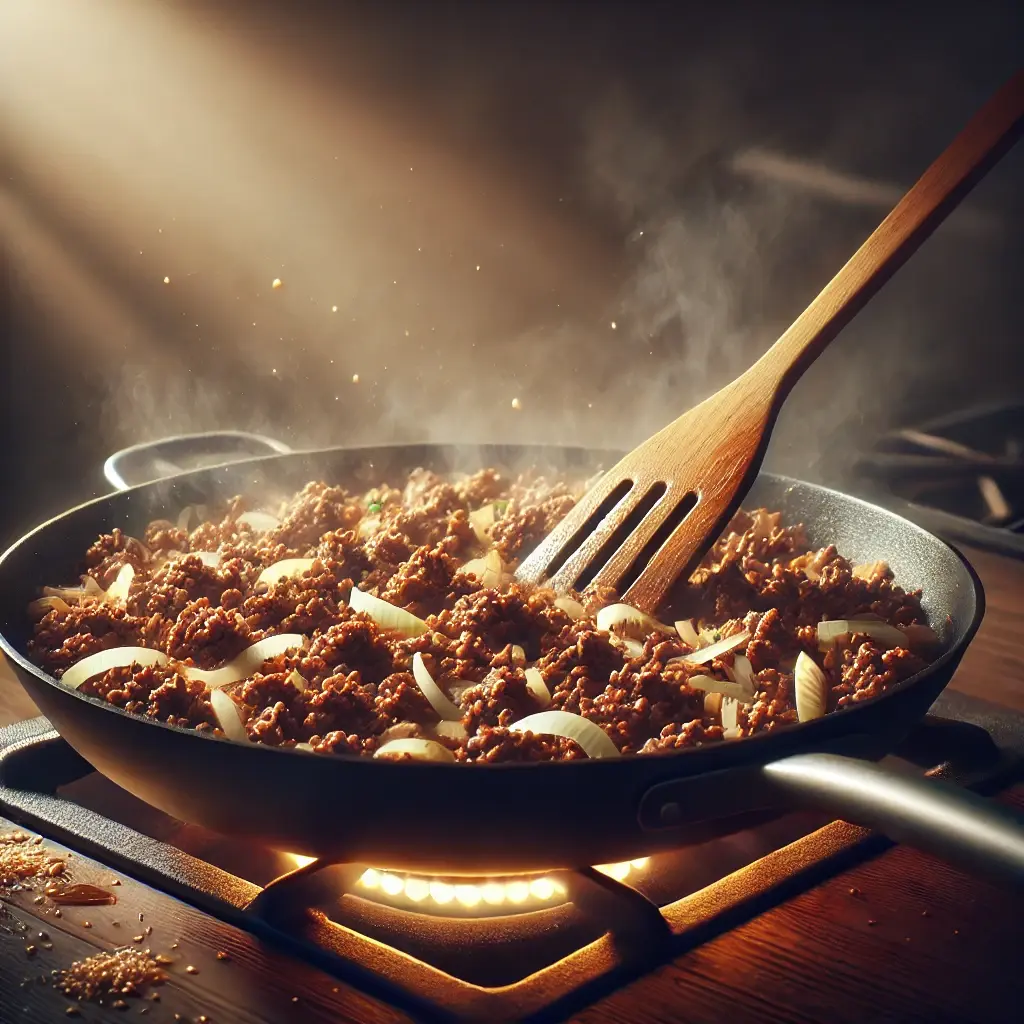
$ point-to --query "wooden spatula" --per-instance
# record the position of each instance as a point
(650, 518)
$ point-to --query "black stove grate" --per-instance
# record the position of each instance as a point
(960, 476)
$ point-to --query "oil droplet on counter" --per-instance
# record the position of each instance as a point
(516, 404)
(355, 378)
(167, 280)
(276, 283)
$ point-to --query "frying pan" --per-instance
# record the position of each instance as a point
(519, 817)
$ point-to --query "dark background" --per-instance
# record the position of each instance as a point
(581, 155)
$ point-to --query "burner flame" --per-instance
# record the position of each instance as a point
(528, 893)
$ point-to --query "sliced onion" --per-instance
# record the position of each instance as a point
(482, 520)
(287, 568)
(89, 588)
(919, 635)
(518, 655)
(248, 661)
(401, 731)
(630, 621)
(537, 687)
(832, 629)
(633, 648)
(297, 680)
(742, 673)
(40, 607)
(810, 685)
(209, 558)
(116, 657)
(684, 627)
(715, 650)
(228, 716)
(592, 738)
(417, 748)
(261, 522)
(730, 712)
(386, 615)
(489, 570)
(118, 590)
(571, 608)
(185, 517)
(868, 569)
(367, 527)
(434, 694)
(304, 746)
(709, 684)
(454, 732)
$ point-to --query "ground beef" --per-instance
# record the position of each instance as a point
(208, 636)
(64, 637)
(491, 746)
(522, 528)
(184, 580)
(159, 692)
(354, 645)
(351, 688)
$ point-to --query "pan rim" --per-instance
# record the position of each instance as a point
(806, 732)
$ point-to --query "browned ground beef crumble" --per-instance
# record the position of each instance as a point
(407, 547)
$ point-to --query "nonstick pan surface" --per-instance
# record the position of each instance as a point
(506, 817)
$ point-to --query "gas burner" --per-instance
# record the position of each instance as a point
(960, 476)
(537, 946)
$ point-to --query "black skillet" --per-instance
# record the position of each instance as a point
(507, 818)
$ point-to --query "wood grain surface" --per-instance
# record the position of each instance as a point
(900, 938)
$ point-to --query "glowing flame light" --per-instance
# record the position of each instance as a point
(518, 892)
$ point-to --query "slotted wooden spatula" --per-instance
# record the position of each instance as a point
(650, 518)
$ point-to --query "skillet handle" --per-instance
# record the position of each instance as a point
(954, 824)
(153, 460)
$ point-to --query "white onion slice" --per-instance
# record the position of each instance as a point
(304, 746)
(386, 615)
(832, 629)
(89, 588)
(810, 685)
(742, 673)
(434, 694)
(592, 738)
(116, 657)
(297, 680)
(40, 607)
(684, 627)
(730, 712)
(482, 520)
(259, 521)
(287, 568)
(715, 650)
(537, 687)
(919, 635)
(571, 608)
(489, 570)
(248, 661)
(709, 684)
(633, 648)
(454, 732)
(417, 748)
(368, 526)
(632, 622)
(209, 558)
(518, 655)
(227, 714)
(118, 590)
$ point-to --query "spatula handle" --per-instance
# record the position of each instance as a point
(969, 157)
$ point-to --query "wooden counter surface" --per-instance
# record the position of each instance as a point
(902, 937)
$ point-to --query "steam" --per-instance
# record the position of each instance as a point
(161, 169)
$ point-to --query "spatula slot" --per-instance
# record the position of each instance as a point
(621, 489)
(629, 523)
(658, 538)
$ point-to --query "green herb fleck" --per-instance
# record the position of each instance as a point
(499, 507)
(374, 507)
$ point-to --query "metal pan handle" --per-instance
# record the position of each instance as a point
(153, 460)
(952, 823)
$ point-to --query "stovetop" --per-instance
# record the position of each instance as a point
(532, 948)
(960, 476)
